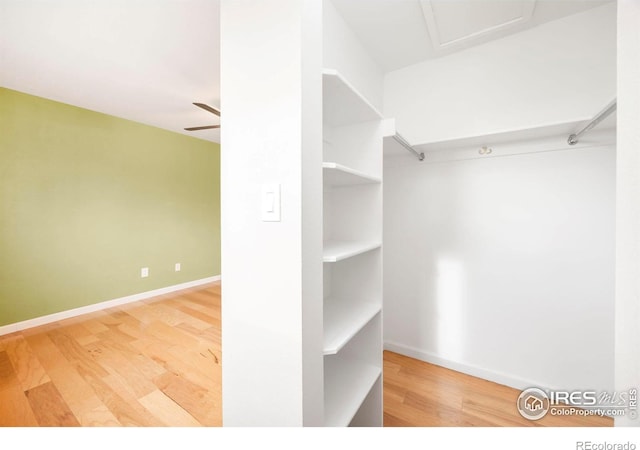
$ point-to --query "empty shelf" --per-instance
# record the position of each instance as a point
(335, 251)
(346, 386)
(561, 129)
(343, 320)
(338, 175)
(343, 104)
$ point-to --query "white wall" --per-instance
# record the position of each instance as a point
(561, 71)
(628, 204)
(343, 52)
(504, 267)
(272, 271)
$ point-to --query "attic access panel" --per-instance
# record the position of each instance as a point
(452, 24)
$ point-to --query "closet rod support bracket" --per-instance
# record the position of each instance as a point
(611, 107)
(402, 141)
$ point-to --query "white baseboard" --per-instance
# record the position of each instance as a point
(19, 326)
(480, 372)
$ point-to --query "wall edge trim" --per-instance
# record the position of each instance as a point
(50, 318)
(468, 369)
(504, 379)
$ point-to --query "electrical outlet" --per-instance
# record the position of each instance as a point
(144, 272)
(178, 267)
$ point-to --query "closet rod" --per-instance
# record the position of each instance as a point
(402, 141)
(574, 138)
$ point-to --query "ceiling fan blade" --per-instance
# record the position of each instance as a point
(211, 109)
(208, 127)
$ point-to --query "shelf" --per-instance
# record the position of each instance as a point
(346, 386)
(343, 320)
(338, 175)
(541, 138)
(335, 251)
(562, 130)
(343, 104)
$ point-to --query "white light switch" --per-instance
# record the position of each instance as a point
(271, 203)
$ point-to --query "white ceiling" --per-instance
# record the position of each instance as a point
(399, 33)
(143, 60)
(148, 60)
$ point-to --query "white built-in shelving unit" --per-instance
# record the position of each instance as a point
(352, 255)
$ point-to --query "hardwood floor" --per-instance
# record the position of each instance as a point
(425, 395)
(157, 363)
(149, 363)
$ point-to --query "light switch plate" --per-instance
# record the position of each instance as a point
(270, 203)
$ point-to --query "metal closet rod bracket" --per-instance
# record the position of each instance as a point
(402, 141)
(574, 138)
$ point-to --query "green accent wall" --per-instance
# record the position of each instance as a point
(88, 199)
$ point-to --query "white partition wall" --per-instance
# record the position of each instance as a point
(272, 270)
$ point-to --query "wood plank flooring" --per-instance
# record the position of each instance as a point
(158, 363)
(425, 395)
(147, 364)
